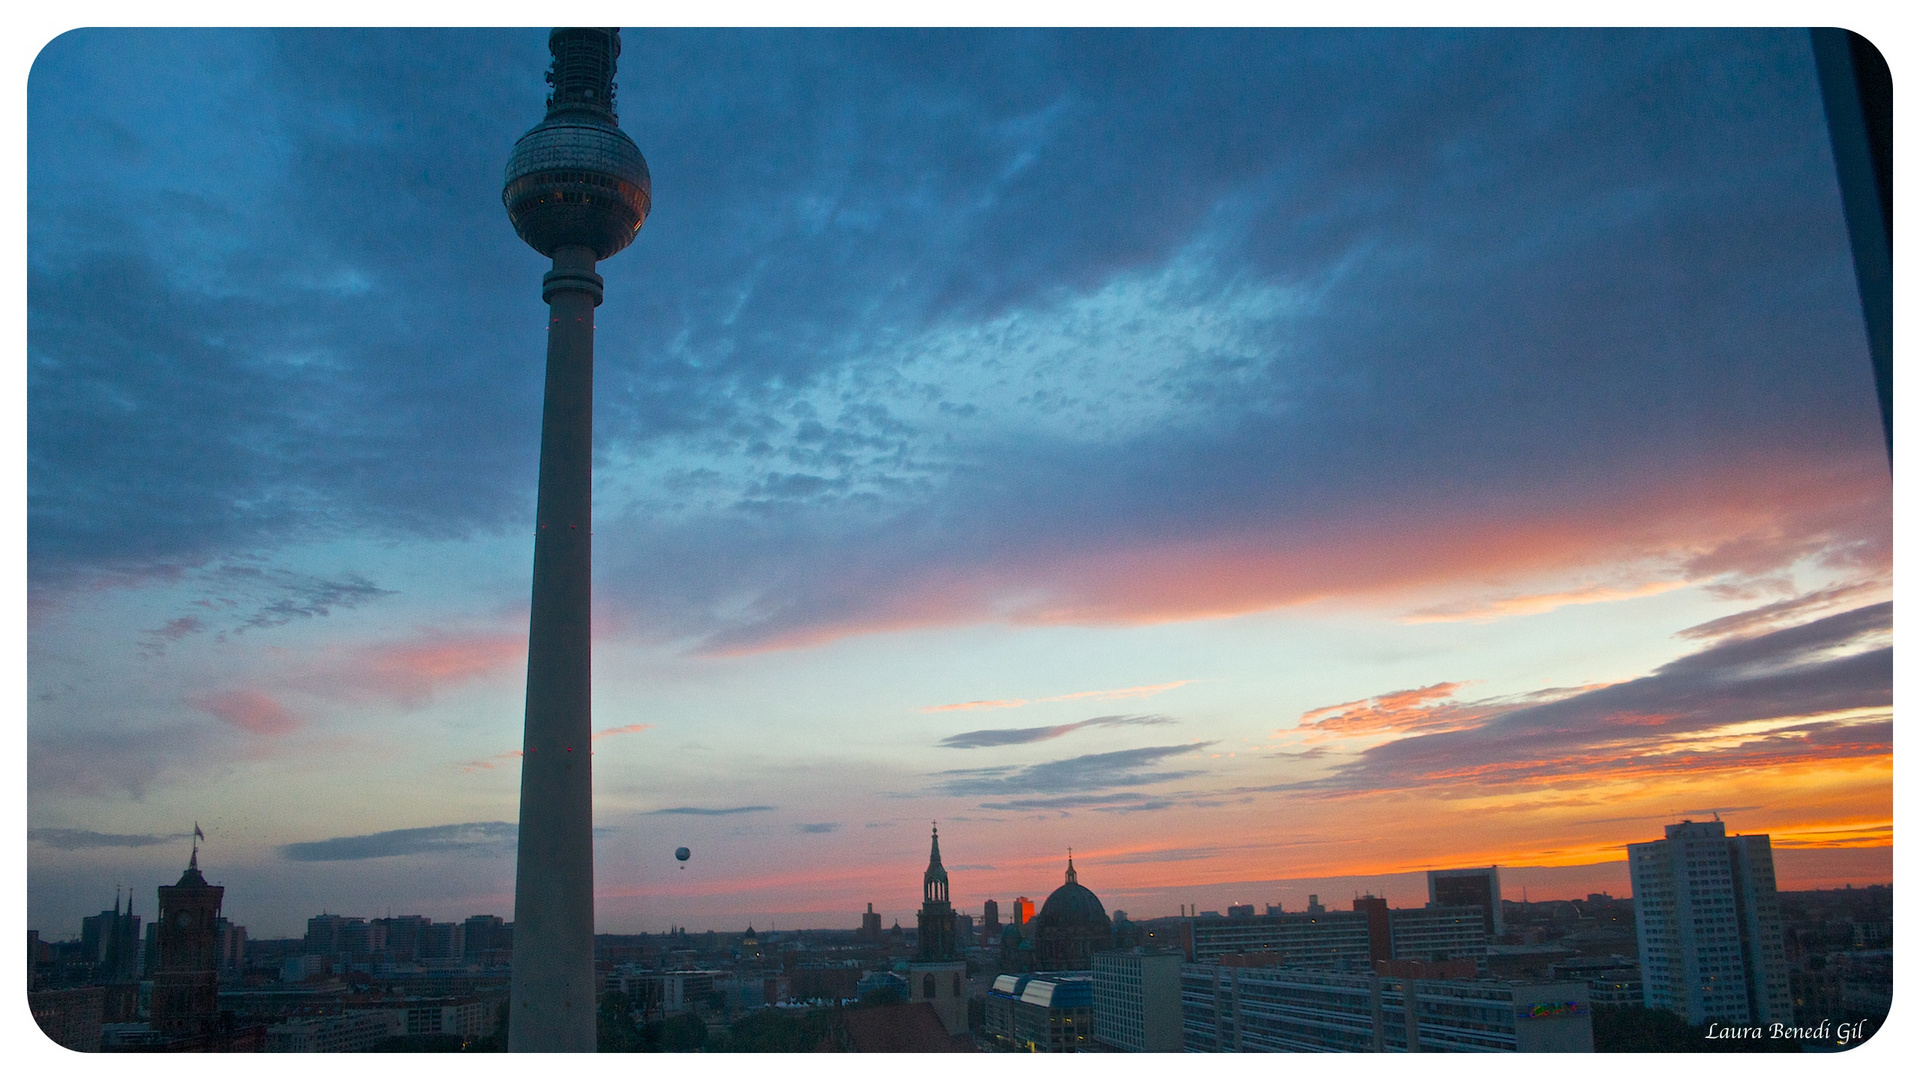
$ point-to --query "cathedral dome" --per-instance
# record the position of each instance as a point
(1073, 904)
(1072, 926)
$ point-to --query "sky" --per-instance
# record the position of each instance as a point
(1263, 462)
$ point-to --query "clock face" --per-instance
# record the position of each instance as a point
(183, 920)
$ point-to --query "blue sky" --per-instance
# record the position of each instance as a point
(1261, 437)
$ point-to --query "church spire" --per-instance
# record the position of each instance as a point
(935, 872)
(1072, 878)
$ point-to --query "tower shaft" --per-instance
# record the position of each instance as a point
(553, 1007)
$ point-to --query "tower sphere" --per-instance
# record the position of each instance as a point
(576, 178)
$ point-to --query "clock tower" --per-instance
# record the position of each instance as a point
(186, 992)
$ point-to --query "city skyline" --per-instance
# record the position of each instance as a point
(1241, 457)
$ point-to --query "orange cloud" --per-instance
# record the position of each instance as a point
(1426, 710)
(249, 710)
(1502, 607)
(630, 729)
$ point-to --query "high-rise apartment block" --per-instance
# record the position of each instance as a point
(1136, 1000)
(1709, 926)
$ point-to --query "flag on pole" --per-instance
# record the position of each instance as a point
(197, 834)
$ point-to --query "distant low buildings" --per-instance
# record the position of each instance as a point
(1370, 932)
(347, 1033)
(1260, 1009)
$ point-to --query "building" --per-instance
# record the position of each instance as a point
(111, 940)
(1022, 911)
(484, 934)
(899, 1028)
(1136, 1000)
(186, 992)
(1273, 1009)
(870, 926)
(577, 191)
(1438, 933)
(989, 921)
(1303, 938)
(1611, 980)
(468, 1017)
(1708, 922)
(1047, 1013)
(936, 909)
(1477, 887)
(230, 946)
(70, 1017)
(1071, 927)
(1370, 932)
(665, 992)
(440, 941)
(349, 1033)
(938, 975)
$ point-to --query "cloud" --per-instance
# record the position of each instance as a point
(1089, 772)
(172, 631)
(1013, 736)
(1112, 801)
(98, 760)
(1230, 559)
(964, 706)
(249, 710)
(1820, 691)
(301, 596)
(1082, 341)
(628, 729)
(82, 839)
(409, 671)
(702, 811)
(1014, 703)
(1487, 610)
(819, 827)
(1772, 615)
(468, 838)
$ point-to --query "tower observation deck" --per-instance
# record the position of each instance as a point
(577, 191)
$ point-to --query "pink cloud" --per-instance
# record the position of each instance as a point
(967, 706)
(248, 710)
(410, 672)
(630, 729)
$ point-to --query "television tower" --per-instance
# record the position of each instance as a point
(578, 191)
